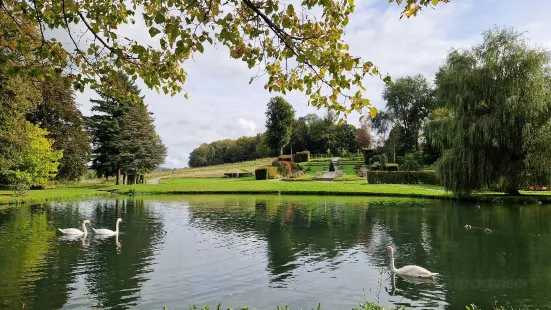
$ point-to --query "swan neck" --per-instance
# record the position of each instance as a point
(117, 228)
(84, 228)
(392, 267)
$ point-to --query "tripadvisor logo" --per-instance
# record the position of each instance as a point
(490, 283)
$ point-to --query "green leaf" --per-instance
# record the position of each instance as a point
(200, 47)
(154, 31)
(159, 18)
(290, 9)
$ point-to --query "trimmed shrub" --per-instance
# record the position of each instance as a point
(302, 157)
(403, 177)
(245, 174)
(264, 173)
(232, 174)
(331, 167)
(391, 167)
(285, 158)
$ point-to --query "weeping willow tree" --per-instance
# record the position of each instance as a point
(494, 122)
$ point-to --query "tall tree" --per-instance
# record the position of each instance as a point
(58, 114)
(105, 126)
(279, 123)
(499, 103)
(261, 33)
(26, 154)
(409, 101)
(142, 150)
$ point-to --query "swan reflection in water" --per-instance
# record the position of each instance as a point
(71, 238)
(106, 237)
(413, 280)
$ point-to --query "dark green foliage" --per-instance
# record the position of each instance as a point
(265, 173)
(58, 113)
(301, 157)
(279, 123)
(402, 177)
(411, 162)
(497, 101)
(124, 136)
(142, 150)
(105, 126)
(331, 166)
(377, 162)
(391, 167)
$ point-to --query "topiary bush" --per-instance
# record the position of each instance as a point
(331, 166)
(403, 177)
(285, 158)
(264, 173)
(302, 157)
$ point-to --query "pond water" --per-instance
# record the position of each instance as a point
(264, 251)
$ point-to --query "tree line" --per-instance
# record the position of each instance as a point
(43, 134)
(286, 134)
(483, 123)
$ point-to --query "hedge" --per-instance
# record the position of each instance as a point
(402, 177)
(265, 173)
(302, 157)
(285, 158)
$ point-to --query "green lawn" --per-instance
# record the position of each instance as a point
(251, 186)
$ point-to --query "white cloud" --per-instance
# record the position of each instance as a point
(247, 124)
(222, 104)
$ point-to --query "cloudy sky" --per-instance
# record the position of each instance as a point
(222, 104)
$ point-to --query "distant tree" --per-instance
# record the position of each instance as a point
(346, 139)
(499, 104)
(409, 101)
(105, 125)
(363, 134)
(279, 121)
(142, 149)
(58, 113)
(300, 135)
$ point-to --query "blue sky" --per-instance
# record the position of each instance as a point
(222, 104)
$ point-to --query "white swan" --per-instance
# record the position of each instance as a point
(75, 231)
(108, 232)
(409, 270)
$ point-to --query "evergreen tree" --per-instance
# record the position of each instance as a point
(141, 147)
(105, 126)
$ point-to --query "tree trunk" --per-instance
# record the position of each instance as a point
(124, 178)
(281, 150)
(118, 176)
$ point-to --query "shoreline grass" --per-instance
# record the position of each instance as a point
(249, 186)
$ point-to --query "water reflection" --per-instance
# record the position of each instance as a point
(41, 269)
(263, 251)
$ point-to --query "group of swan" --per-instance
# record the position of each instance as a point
(101, 231)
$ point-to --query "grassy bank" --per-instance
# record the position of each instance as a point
(174, 186)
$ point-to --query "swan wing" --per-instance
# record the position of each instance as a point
(415, 271)
(103, 231)
(71, 231)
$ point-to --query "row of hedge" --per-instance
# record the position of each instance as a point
(403, 177)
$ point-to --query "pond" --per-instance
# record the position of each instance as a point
(264, 251)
